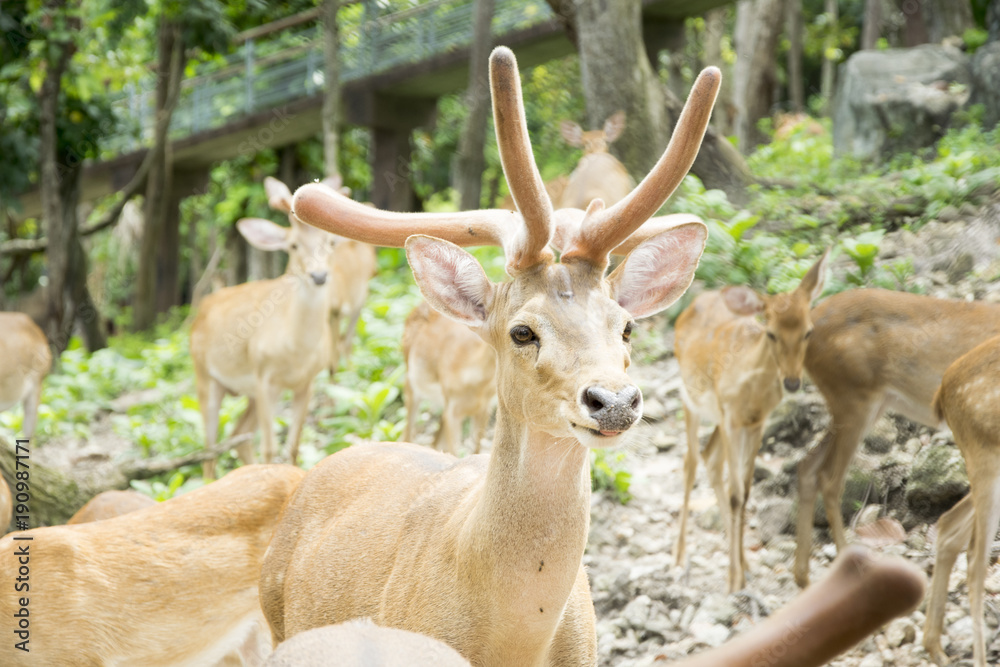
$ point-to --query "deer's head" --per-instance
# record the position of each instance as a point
(560, 328)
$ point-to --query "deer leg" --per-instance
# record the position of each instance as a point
(751, 447)
(335, 342)
(954, 530)
(450, 432)
(690, 470)
(411, 407)
(984, 480)
(246, 424)
(210, 394)
(714, 456)
(31, 400)
(825, 466)
(348, 336)
(265, 405)
(737, 501)
(479, 420)
(300, 409)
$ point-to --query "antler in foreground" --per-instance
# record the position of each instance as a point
(862, 593)
(484, 553)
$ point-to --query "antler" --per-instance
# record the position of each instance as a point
(603, 229)
(526, 186)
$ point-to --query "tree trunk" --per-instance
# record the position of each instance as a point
(158, 184)
(947, 18)
(993, 20)
(915, 27)
(871, 29)
(331, 87)
(715, 30)
(53, 213)
(796, 86)
(759, 27)
(617, 75)
(470, 162)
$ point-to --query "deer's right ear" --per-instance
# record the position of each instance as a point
(279, 197)
(263, 234)
(614, 126)
(451, 279)
(742, 300)
(571, 133)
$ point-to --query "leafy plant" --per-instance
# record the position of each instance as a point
(608, 473)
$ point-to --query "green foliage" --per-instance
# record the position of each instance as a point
(608, 473)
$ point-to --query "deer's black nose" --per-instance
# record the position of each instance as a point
(792, 384)
(319, 277)
(613, 411)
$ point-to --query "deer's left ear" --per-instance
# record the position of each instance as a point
(658, 271)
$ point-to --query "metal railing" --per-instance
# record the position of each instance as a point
(267, 74)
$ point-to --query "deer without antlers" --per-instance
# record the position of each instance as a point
(734, 368)
(450, 365)
(874, 350)
(172, 584)
(969, 400)
(484, 553)
(598, 174)
(27, 360)
(261, 337)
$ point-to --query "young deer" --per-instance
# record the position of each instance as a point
(27, 360)
(351, 265)
(969, 400)
(260, 337)
(874, 350)
(484, 553)
(172, 584)
(599, 174)
(734, 367)
(447, 362)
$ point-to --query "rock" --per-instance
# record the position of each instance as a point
(986, 82)
(948, 214)
(795, 421)
(710, 635)
(898, 100)
(775, 517)
(881, 438)
(899, 632)
(937, 481)
(636, 612)
(871, 660)
(710, 519)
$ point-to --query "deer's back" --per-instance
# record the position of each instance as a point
(969, 397)
(870, 340)
(171, 584)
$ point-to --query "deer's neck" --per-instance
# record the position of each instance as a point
(306, 310)
(525, 539)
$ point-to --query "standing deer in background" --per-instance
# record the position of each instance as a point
(969, 400)
(449, 364)
(26, 359)
(351, 265)
(874, 350)
(109, 504)
(484, 553)
(261, 337)
(599, 174)
(171, 584)
(734, 367)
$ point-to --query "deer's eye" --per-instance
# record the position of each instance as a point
(523, 335)
(627, 334)
(771, 335)
(294, 246)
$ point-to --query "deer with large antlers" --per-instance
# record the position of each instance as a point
(734, 369)
(449, 364)
(484, 553)
(27, 360)
(261, 337)
(171, 584)
(874, 350)
(969, 400)
(598, 174)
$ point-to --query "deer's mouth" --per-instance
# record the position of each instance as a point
(594, 431)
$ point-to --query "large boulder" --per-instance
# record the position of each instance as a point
(937, 481)
(898, 100)
(986, 78)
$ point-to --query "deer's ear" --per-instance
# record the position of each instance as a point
(263, 234)
(451, 279)
(815, 279)
(659, 270)
(571, 133)
(279, 197)
(614, 126)
(742, 300)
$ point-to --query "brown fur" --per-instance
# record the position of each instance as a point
(172, 584)
(109, 504)
(874, 350)
(27, 360)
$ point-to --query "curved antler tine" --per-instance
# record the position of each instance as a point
(327, 209)
(604, 230)
(526, 187)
